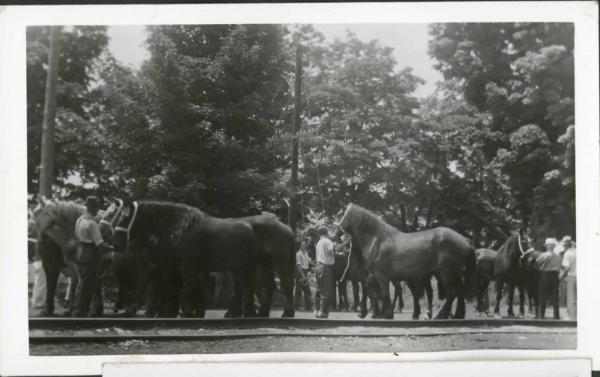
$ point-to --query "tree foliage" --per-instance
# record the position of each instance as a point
(207, 118)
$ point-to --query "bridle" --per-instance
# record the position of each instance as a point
(523, 253)
(115, 216)
(130, 225)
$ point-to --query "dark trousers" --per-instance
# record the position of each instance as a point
(88, 260)
(548, 290)
(325, 285)
(302, 288)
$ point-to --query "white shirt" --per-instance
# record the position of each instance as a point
(87, 230)
(569, 262)
(302, 260)
(325, 251)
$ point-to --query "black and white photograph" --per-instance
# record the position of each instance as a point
(269, 187)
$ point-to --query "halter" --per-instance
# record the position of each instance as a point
(128, 229)
(523, 253)
(115, 216)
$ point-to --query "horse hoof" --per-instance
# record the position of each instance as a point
(287, 314)
(230, 314)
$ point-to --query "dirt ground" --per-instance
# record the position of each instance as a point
(318, 344)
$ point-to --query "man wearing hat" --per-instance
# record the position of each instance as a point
(549, 264)
(569, 273)
(90, 243)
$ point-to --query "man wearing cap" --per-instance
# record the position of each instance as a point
(90, 244)
(569, 273)
(549, 264)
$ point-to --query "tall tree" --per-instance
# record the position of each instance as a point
(80, 46)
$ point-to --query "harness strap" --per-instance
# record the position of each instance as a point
(130, 225)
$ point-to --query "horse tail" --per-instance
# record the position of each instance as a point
(471, 275)
(440, 286)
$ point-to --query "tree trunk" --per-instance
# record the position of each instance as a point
(47, 155)
(404, 224)
(293, 215)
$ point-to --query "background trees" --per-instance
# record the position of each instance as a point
(207, 121)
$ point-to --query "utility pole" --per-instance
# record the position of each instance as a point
(47, 157)
(293, 214)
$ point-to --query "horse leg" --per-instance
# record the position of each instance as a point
(416, 293)
(384, 285)
(444, 312)
(355, 295)
(460, 299)
(52, 270)
(373, 294)
(72, 296)
(521, 300)
(511, 296)
(429, 292)
(267, 283)
(499, 286)
(188, 288)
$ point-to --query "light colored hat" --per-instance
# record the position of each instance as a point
(567, 240)
(550, 241)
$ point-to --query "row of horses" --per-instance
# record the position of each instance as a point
(167, 250)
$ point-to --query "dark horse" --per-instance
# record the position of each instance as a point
(275, 254)
(185, 244)
(485, 274)
(514, 265)
(390, 255)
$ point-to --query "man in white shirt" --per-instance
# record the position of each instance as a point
(302, 283)
(90, 244)
(569, 273)
(324, 272)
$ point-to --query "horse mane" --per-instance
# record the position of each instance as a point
(174, 218)
(366, 219)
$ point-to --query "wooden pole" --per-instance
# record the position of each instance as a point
(293, 215)
(47, 157)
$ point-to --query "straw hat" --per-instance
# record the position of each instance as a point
(550, 241)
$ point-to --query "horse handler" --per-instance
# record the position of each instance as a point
(549, 264)
(569, 273)
(90, 245)
(324, 272)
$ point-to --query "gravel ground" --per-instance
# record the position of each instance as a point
(318, 344)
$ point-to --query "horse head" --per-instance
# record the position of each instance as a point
(45, 215)
(109, 217)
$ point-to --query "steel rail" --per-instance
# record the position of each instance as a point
(56, 323)
(101, 338)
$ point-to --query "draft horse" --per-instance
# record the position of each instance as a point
(55, 222)
(391, 255)
(514, 265)
(185, 244)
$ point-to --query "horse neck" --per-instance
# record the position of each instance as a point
(67, 217)
(60, 236)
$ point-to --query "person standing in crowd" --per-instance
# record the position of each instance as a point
(569, 274)
(302, 282)
(324, 271)
(38, 295)
(89, 247)
(549, 264)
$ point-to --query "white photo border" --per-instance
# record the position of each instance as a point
(14, 347)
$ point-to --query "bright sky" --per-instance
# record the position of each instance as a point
(408, 40)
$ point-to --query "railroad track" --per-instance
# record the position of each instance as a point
(62, 330)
